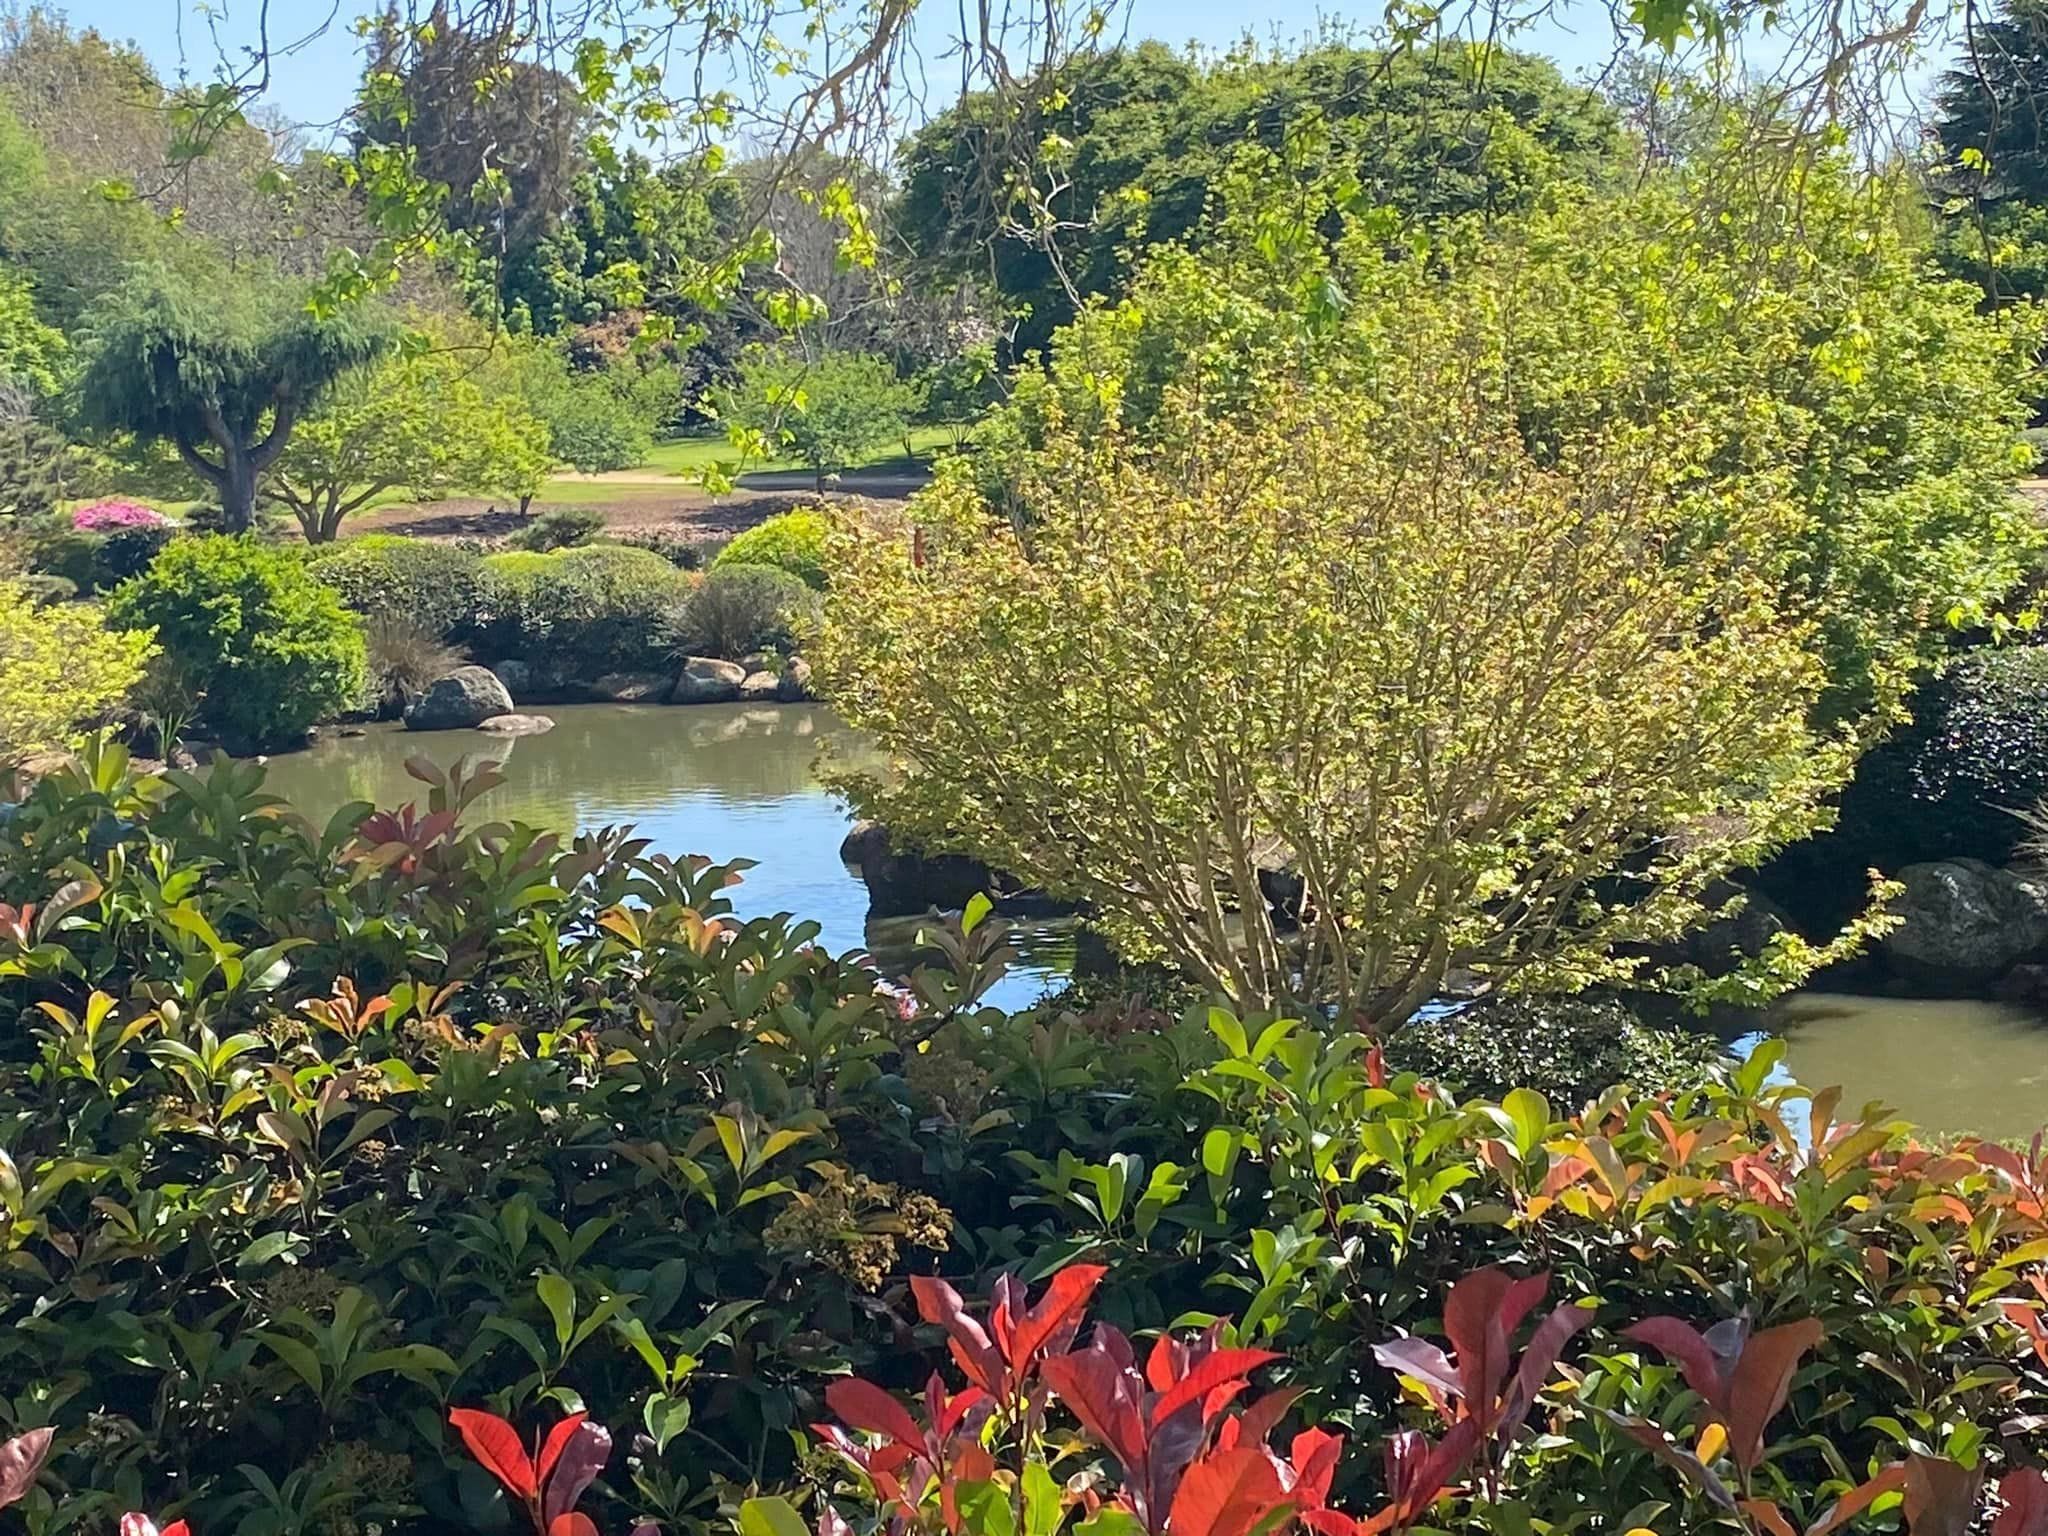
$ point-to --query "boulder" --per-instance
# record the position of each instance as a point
(902, 882)
(517, 677)
(516, 725)
(461, 701)
(794, 685)
(756, 686)
(633, 688)
(1966, 922)
(863, 841)
(1740, 923)
(707, 680)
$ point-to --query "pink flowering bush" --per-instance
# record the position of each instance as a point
(112, 515)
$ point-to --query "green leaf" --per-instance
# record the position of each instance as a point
(1044, 1505)
(1529, 1111)
(771, 1517)
(265, 1248)
(559, 1297)
(978, 907)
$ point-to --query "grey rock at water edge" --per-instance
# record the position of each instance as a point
(794, 686)
(517, 725)
(517, 677)
(707, 680)
(1965, 922)
(461, 701)
(633, 688)
(756, 686)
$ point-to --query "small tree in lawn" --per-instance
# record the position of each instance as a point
(1479, 711)
(830, 412)
(224, 375)
(416, 422)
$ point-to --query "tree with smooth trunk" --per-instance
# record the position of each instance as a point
(223, 375)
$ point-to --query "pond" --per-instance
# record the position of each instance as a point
(739, 781)
(730, 781)
(1945, 1064)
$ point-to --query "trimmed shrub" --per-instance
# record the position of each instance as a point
(1571, 1048)
(437, 586)
(792, 542)
(560, 528)
(95, 561)
(269, 646)
(580, 612)
(740, 609)
(108, 516)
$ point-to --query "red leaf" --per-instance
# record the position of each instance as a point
(1677, 1340)
(1226, 1493)
(1769, 1516)
(495, 1444)
(1066, 1297)
(1104, 1398)
(1762, 1378)
(176, 1528)
(1314, 1454)
(20, 1460)
(2024, 1492)
(1422, 1360)
(556, 1442)
(1261, 1418)
(1941, 1497)
(1481, 1314)
(1858, 1499)
(1548, 1342)
(938, 1302)
(572, 1524)
(866, 1406)
(1226, 1365)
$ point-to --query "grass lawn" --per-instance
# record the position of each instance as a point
(694, 455)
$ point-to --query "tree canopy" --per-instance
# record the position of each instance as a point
(1140, 136)
(223, 375)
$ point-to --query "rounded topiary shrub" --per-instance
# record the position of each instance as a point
(581, 612)
(741, 609)
(439, 587)
(1569, 1049)
(267, 645)
(791, 541)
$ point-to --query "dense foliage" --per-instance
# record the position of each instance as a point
(579, 612)
(62, 668)
(1570, 1049)
(789, 541)
(267, 647)
(830, 412)
(312, 1135)
(1326, 704)
(435, 585)
(1142, 139)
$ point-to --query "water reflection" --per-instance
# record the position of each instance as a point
(730, 781)
(1947, 1065)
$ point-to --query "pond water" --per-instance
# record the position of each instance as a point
(739, 781)
(730, 781)
(1946, 1065)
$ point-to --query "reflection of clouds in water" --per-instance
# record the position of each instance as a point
(727, 781)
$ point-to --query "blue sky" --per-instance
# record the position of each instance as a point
(314, 83)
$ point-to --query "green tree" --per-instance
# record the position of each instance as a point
(416, 422)
(65, 668)
(1139, 137)
(222, 374)
(1312, 558)
(1993, 171)
(831, 412)
(30, 351)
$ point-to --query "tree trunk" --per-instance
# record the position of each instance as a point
(238, 492)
